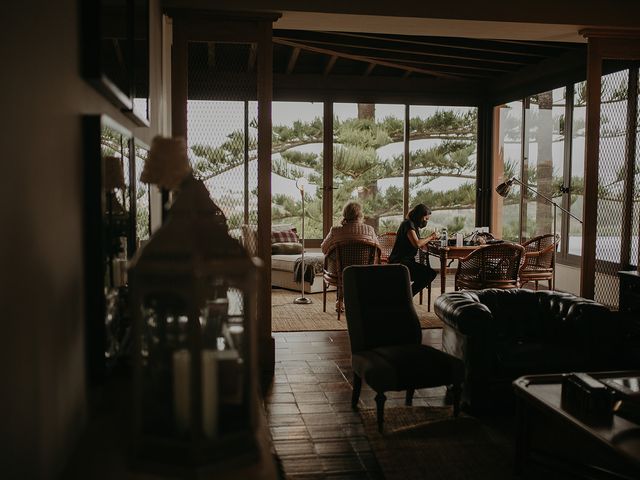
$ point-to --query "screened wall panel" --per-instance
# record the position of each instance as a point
(613, 172)
(222, 130)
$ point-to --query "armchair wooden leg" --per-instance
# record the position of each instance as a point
(380, 399)
(421, 296)
(339, 300)
(324, 296)
(355, 395)
(408, 399)
(429, 298)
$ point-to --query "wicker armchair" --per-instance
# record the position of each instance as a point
(386, 240)
(492, 266)
(342, 255)
(538, 261)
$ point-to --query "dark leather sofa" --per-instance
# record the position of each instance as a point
(503, 334)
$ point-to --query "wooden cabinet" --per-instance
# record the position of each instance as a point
(629, 291)
(629, 301)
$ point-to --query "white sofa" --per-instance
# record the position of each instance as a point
(282, 265)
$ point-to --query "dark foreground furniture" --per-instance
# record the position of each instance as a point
(386, 338)
(504, 334)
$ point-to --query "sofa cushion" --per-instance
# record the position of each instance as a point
(286, 248)
(285, 236)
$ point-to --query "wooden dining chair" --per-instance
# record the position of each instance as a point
(341, 256)
(538, 261)
(491, 266)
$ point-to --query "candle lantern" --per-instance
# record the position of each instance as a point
(193, 304)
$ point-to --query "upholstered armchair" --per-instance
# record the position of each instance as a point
(503, 334)
(386, 338)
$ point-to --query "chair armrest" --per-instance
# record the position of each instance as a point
(464, 312)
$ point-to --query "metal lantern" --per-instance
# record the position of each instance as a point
(193, 303)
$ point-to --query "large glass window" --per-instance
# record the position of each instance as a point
(509, 151)
(576, 191)
(368, 157)
(442, 165)
(297, 152)
(543, 164)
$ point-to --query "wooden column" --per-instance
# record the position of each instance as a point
(484, 165)
(497, 172)
(266, 344)
(327, 168)
(405, 174)
(592, 145)
(603, 44)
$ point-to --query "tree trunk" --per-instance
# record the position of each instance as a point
(366, 111)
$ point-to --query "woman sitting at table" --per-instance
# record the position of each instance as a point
(408, 242)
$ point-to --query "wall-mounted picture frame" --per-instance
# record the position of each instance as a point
(109, 236)
(115, 53)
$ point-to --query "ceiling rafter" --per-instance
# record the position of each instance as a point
(295, 53)
(253, 54)
(483, 45)
(404, 51)
(362, 58)
(330, 64)
(369, 69)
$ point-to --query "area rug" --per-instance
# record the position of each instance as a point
(428, 443)
(289, 317)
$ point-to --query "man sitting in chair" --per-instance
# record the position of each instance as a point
(352, 228)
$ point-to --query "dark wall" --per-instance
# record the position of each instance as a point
(44, 396)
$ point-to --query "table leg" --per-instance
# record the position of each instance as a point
(443, 272)
(523, 437)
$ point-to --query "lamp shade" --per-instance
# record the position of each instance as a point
(167, 164)
(505, 187)
(301, 183)
(113, 173)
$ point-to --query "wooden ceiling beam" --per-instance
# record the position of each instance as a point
(295, 53)
(361, 58)
(330, 64)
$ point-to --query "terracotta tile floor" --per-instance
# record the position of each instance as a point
(315, 432)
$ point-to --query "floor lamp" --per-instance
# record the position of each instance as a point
(300, 184)
(503, 190)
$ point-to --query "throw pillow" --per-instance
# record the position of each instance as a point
(287, 236)
(286, 248)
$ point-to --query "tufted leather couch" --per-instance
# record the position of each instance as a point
(503, 334)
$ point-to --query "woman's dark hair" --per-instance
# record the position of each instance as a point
(417, 213)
